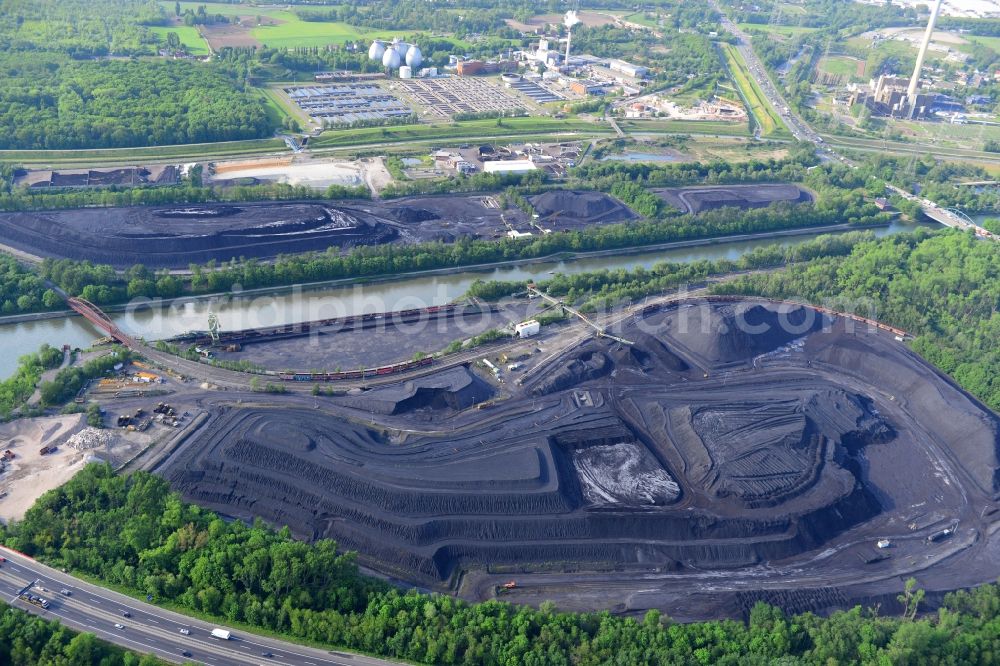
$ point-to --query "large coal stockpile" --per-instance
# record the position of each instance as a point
(610, 456)
(176, 236)
(723, 334)
(699, 199)
(574, 208)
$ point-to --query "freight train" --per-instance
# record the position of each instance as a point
(349, 322)
(354, 374)
(898, 332)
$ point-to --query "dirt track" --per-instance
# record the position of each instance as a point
(696, 471)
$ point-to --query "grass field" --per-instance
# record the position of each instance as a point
(783, 30)
(766, 117)
(289, 31)
(467, 130)
(839, 66)
(296, 33)
(640, 18)
(659, 126)
(194, 151)
(992, 42)
(189, 36)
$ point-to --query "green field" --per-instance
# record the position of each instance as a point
(194, 151)
(659, 126)
(839, 66)
(764, 114)
(783, 30)
(228, 9)
(465, 130)
(289, 31)
(296, 33)
(189, 36)
(992, 42)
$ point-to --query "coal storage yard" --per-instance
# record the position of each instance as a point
(176, 236)
(701, 198)
(734, 452)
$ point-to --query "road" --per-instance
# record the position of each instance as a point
(151, 629)
(803, 132)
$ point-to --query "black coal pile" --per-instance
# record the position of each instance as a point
(579, 207)
(733, 333)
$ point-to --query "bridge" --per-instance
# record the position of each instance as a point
(601, 331)
(950, 217)
(96, 316)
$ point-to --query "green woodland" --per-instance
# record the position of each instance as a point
(52, 103)
(27, 640)
(132, 532)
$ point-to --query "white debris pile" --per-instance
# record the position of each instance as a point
(91, 438)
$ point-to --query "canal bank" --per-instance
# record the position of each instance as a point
(281, 305)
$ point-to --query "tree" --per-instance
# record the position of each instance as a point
(177, 8)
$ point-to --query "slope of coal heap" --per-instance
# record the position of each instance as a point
(763, 453)
(455, 389)
(587, 366)
(580, 206)
(179, 235)
(733, 333)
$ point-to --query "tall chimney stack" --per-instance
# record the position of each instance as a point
(911, 91)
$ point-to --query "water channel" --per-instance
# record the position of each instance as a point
(305, 304)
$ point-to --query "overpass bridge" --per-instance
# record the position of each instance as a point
(96, 316)
(601, 331)
(949, 217)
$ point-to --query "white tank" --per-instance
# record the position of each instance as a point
(390, 59)
(405, 72)
(376, 50)
(414, 58)
(401, 49)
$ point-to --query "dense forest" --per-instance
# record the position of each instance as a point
(944, 289)
(23, 291)
(52, 103)
(80, 28)
(133, 532)
(27, 640)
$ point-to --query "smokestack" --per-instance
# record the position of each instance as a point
(911, 92)
(569, 20)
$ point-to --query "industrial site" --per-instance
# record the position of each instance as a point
(693, 447)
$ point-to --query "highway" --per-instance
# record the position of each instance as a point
(151, 629)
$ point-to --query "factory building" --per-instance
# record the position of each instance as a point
(509, 166)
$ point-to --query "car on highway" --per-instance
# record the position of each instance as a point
(126, 614)
(266, 654)
(185, 653)
(65, 592)
(119, 625)
(186, 632)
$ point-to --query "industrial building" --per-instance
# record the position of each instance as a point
(347, 103)
(449, 96)
(509, 166)
(897, 98)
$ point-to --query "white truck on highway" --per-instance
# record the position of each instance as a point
(224, 634)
